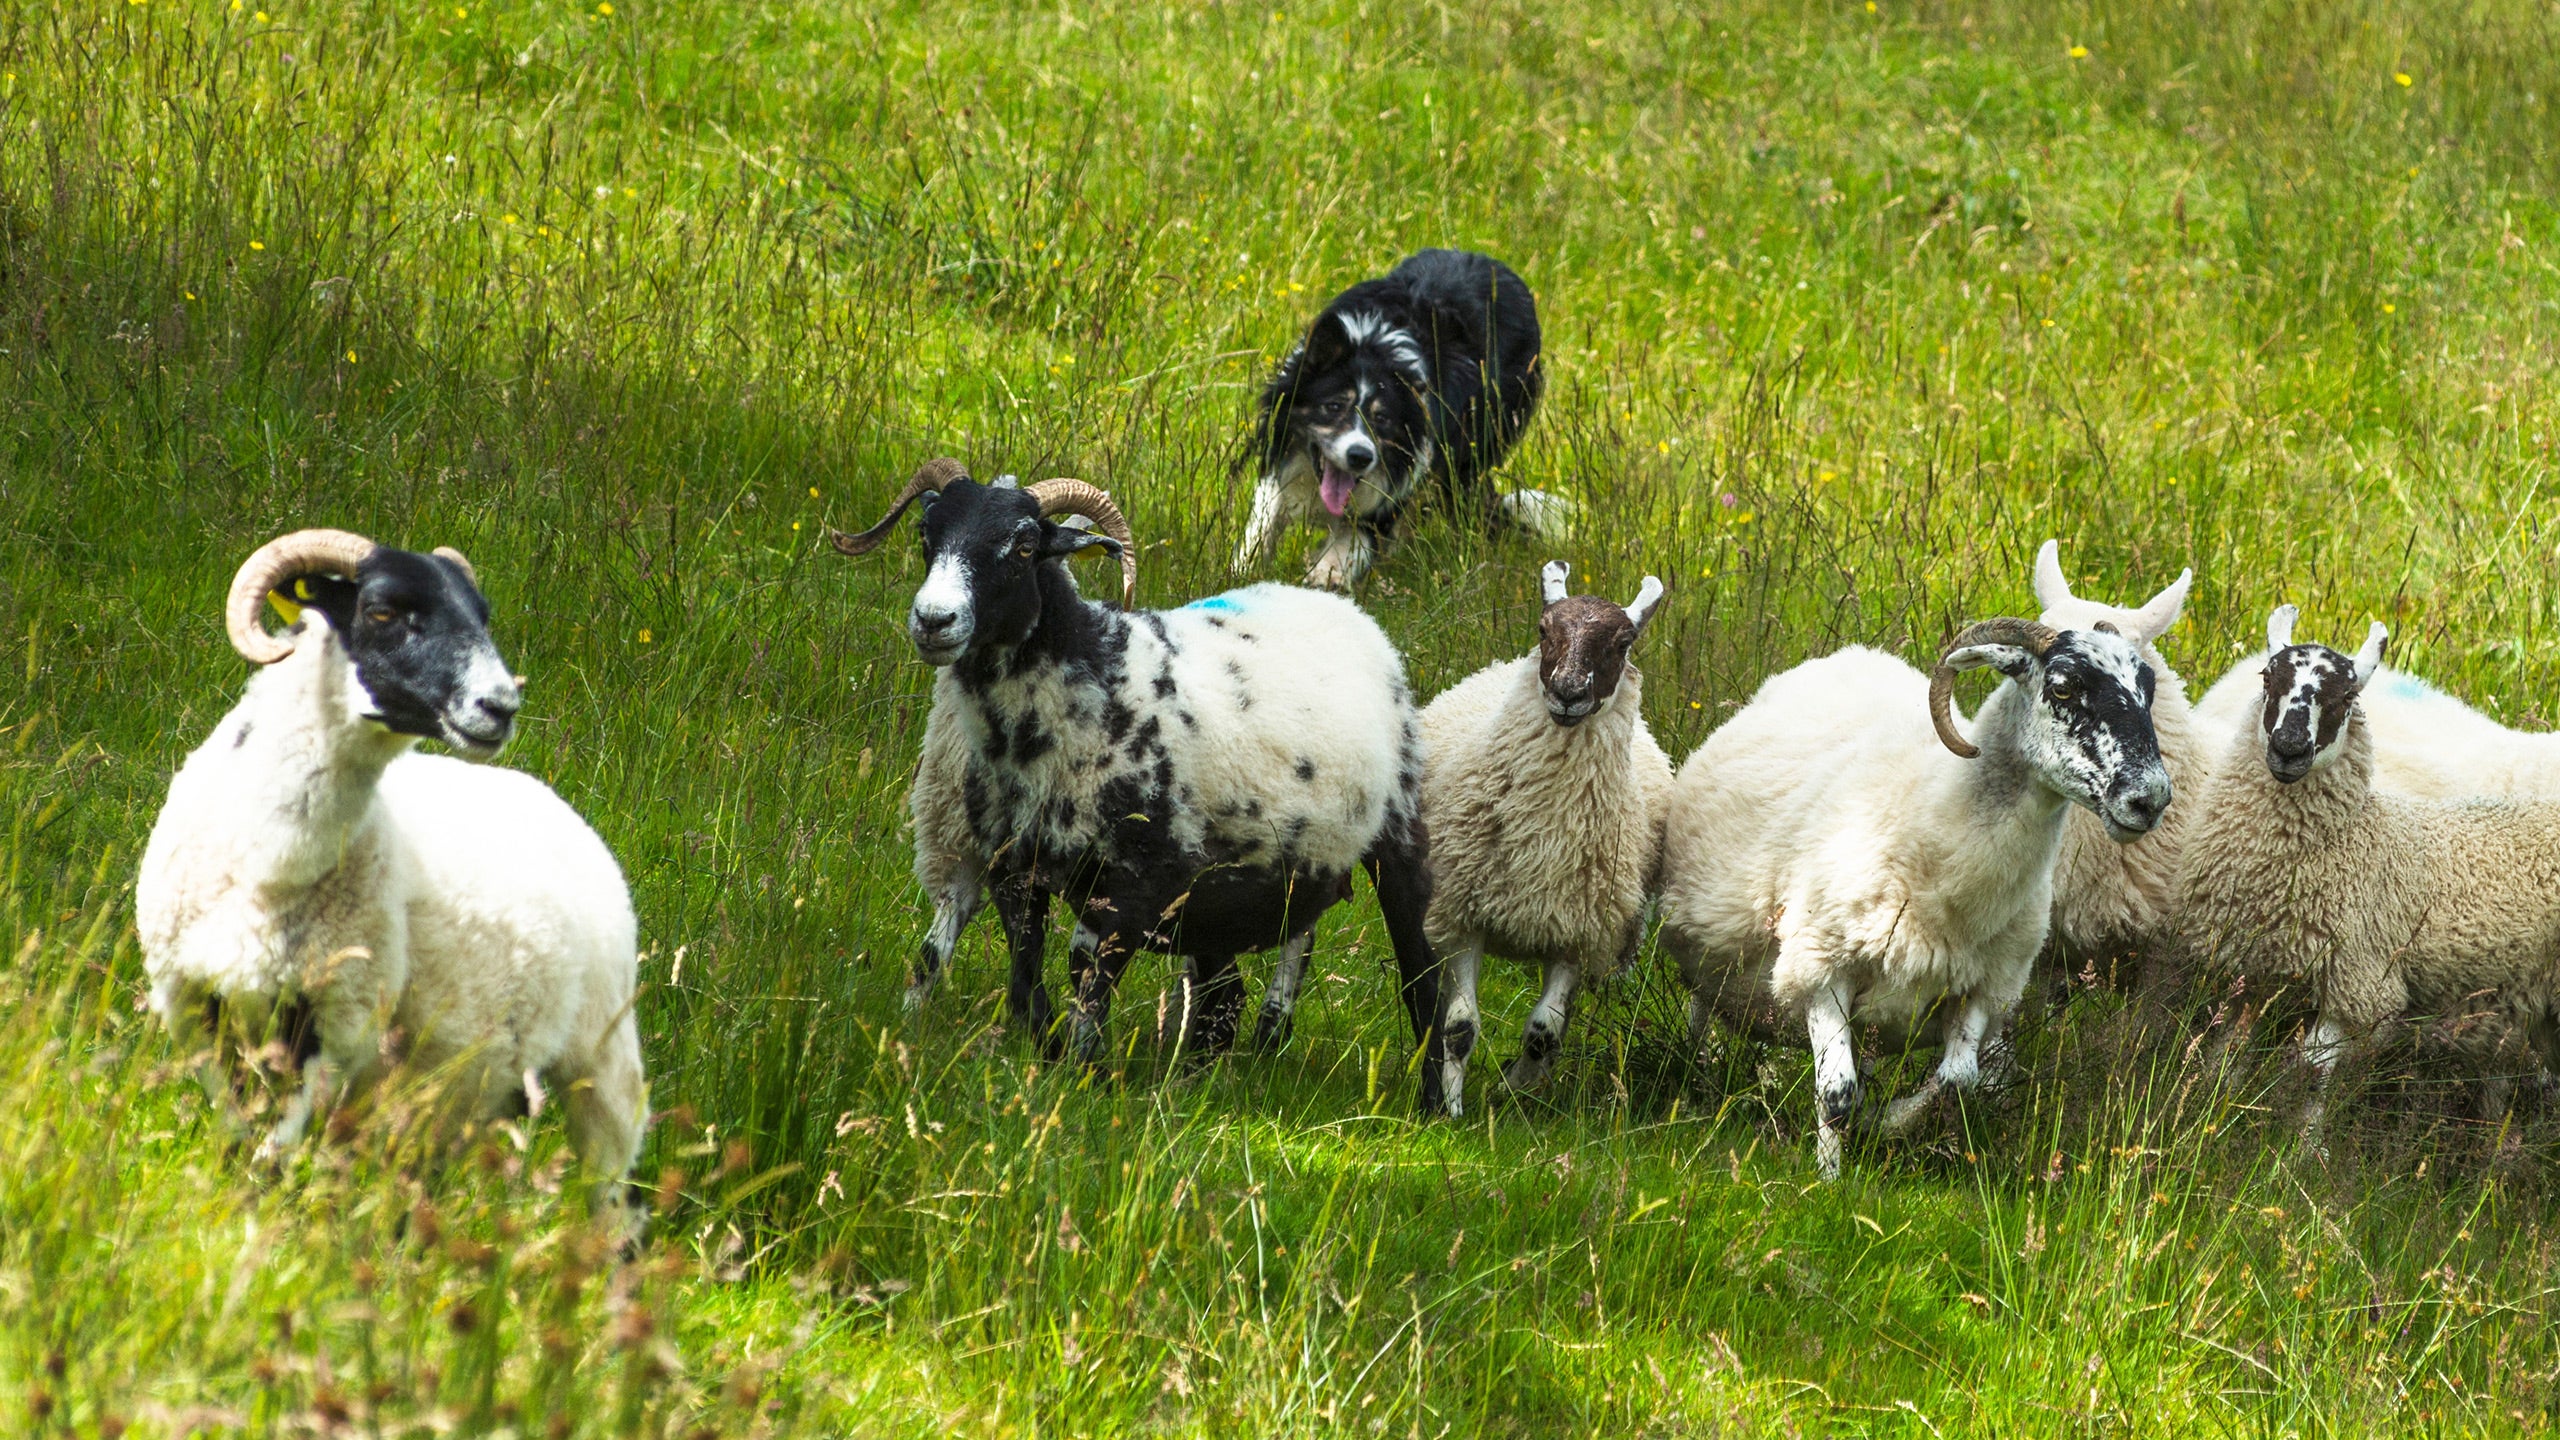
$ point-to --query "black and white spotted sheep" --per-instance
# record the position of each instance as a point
(1197, 782)
(1829, 860)
(2378, 909)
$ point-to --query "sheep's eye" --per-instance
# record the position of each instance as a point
(1025, 549)
(2059, 689)
(381, 616)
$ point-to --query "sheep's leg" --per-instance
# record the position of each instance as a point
(1959, 1065)
(1261, 525)
(1023, 909)
(958, 903)
(1212, 1004)
(608, 1111)
(1460, 1022)
(1280, 997)
(1095, 974)
(2321, 1050)
(1545, 1035)
(1835, 1070)
(1401, 875)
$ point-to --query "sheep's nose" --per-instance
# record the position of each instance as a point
(2146, 805)
(2289, 747)
(501, 709)
(932, 623)
(1359, 456)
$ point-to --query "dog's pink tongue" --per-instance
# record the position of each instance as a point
(1336, 488)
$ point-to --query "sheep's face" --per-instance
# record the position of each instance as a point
(417, 632)
(2311, 693)
(2088, 733)
(1583, 643)
(984, 546)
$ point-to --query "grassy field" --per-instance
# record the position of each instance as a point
(1848, 308)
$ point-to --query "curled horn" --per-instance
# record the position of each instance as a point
(301, 553)
(1075, 497)
(929, 479)
(2028, 635)
(447, 552)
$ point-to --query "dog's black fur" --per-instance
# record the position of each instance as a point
(1431, 369)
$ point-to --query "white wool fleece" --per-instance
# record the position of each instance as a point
(1824, 835)
(1544, 838)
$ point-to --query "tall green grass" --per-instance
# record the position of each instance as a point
(1847, 311)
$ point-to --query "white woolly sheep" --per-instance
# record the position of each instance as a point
(312, 879)
(1823, 863)
(2111, 899)
(1197, 782)
(2382, 906)
(1545, 793)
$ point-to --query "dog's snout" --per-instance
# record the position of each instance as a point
(1359, 455)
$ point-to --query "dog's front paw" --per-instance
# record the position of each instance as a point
(1339, 565)
(1538, 513)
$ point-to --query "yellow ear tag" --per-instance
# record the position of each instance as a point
(290, 609)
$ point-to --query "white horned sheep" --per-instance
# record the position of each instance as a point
(2112, 899)
(2383, 907)
(1826, 863)
(1545, 794)
(313, 881)
(1195, 782)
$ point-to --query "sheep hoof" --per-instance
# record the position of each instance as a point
(1271, 1030)
(1826, 1152)
(1524, 1075)
(1839, 1102)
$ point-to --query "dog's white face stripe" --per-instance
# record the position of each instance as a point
(1367, 325)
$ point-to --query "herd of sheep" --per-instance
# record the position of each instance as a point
(1846, 851)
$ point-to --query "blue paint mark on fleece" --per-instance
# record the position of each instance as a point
(1224, 604)
(2405, 686)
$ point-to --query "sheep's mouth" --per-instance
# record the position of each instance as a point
(476, 742)
(940, 655)
(1570, 714)
(2124, 834)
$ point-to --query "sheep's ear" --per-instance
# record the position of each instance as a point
(2051, 588)
(2015, 661)
(2154, 619)
(2369, 657)
(2280, 627)
(1057, 539)
(1551, 580)
(1648, 595)
(306, 595)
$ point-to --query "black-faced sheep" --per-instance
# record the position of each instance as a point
(314, 880)
(1196, 782)
(1828, 860)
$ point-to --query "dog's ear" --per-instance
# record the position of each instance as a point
(1327, 345)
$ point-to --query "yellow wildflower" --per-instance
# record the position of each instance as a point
(2401, 78)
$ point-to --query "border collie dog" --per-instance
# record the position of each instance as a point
(1430, 371)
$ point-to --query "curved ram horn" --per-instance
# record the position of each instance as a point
(301, 553)
(447, 552)
(929, 479)
(2028, 635)
(1075, 497)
